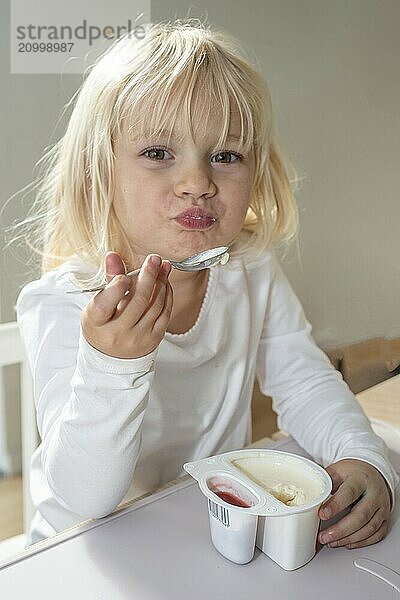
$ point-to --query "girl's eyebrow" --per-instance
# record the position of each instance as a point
(173, 136)
(148, 135)
(170, 135)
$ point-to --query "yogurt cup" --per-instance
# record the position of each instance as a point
(233, 532)
(265, 498)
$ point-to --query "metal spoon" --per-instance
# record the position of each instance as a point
(197, 262)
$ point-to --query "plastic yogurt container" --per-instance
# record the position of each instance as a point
(264, 498)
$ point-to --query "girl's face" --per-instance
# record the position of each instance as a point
(179, 198)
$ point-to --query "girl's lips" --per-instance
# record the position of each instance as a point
(195, 218)
(195, 222)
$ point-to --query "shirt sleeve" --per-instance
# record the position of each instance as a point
(312, 401)
(90, 406)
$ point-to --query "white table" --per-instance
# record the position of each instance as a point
(159, 548)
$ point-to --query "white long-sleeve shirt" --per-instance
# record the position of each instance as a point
(112, 428)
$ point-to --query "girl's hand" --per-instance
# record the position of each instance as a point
(358, 485)
(129, 325)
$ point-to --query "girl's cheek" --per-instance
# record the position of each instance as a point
(168, 204)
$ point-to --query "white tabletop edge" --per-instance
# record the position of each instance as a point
(80, 528)
(134, 504)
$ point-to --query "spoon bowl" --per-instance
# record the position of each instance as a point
(196, 262)
(203, 260)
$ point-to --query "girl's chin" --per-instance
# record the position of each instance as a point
(190, 249)
(199, 240)
(185, 245)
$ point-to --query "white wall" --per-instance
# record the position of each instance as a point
(333, 70)
(30, 107)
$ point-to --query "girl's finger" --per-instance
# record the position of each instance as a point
(155, 307)
(161, 324)
(363, 533)
(123, 303)
(163, 273)
(373, 539)
(356, 519)
(162, 277)
(143, 290)
(114, 265)
(347, 493)
(157, 301)
(336, 478)
(103, 305)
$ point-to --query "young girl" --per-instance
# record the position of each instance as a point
(170, 151)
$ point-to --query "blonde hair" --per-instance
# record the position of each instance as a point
(145, 84)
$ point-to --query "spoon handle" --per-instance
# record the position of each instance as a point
(100, 287)
(197, 262)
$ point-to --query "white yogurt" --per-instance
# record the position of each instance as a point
(292, 484)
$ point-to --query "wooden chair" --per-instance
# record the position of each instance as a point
(12, 352)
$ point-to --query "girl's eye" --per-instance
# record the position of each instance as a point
(225, 157)
(156, 154)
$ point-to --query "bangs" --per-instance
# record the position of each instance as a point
(195, 86)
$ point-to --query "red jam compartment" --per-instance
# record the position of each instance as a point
(232, 492)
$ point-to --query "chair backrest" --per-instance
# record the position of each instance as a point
(12, 352)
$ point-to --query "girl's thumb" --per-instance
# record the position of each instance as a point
(114, 265)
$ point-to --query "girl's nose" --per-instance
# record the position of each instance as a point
(194, 181)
